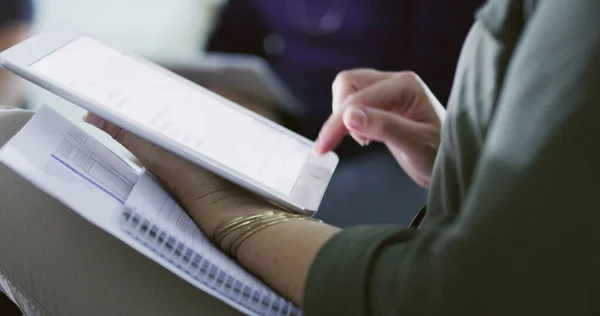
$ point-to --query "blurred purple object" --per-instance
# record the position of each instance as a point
(307, 42)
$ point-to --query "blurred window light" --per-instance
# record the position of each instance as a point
(160, 29)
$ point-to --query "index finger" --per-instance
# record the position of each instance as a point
(331, 134)
(349, 82)
(392, 94)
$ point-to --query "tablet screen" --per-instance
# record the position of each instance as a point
(179, 110)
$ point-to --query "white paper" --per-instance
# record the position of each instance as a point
(77, 170)
(68, 164)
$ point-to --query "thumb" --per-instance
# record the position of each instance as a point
(171, 170)
(383, 126)
(116, 132)
(145, 151)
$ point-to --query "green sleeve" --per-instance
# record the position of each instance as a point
(525, 241)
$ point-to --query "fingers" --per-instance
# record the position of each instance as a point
(331, 134)
(347, 83)
(145, 151)
(350, 81)
(381, 125)
(113, 130)
(415, 143)
(170, 169)
(395, 94)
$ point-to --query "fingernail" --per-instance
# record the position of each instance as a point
(317, 150)
(355, 119)
(358, 139)
(94, 120)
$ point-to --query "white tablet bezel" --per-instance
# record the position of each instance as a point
(308, 190)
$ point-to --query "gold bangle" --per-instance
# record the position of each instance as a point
(250, 223)
(259, 222)
(239, 219)
(233, 228)
(239, 240)
(254, 223)
(223, 229)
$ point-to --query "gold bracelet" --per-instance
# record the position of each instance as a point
(253, 223)
(259, 222)
(249, 224)
(239, 240)
(226, 228)
(238, 226)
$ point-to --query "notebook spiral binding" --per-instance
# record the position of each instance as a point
(198, 267)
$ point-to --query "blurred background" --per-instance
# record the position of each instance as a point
(302, 43)
(156, 29)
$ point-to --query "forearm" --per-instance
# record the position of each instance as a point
(281, 255)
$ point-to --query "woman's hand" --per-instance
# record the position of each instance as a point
(395, 108)
(210, 200)
(281, 255)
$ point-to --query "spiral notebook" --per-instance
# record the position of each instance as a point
(67, 163)
(155, 220)
(201, 269)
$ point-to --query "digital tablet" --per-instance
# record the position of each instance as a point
(178, 115)
(244, 75)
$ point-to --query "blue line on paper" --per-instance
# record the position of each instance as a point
(89, 180)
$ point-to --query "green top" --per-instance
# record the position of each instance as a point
(512, 220)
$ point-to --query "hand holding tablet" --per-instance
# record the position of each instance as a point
(178, 115)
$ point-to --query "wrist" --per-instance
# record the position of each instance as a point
(214, 210)
(231, 235)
